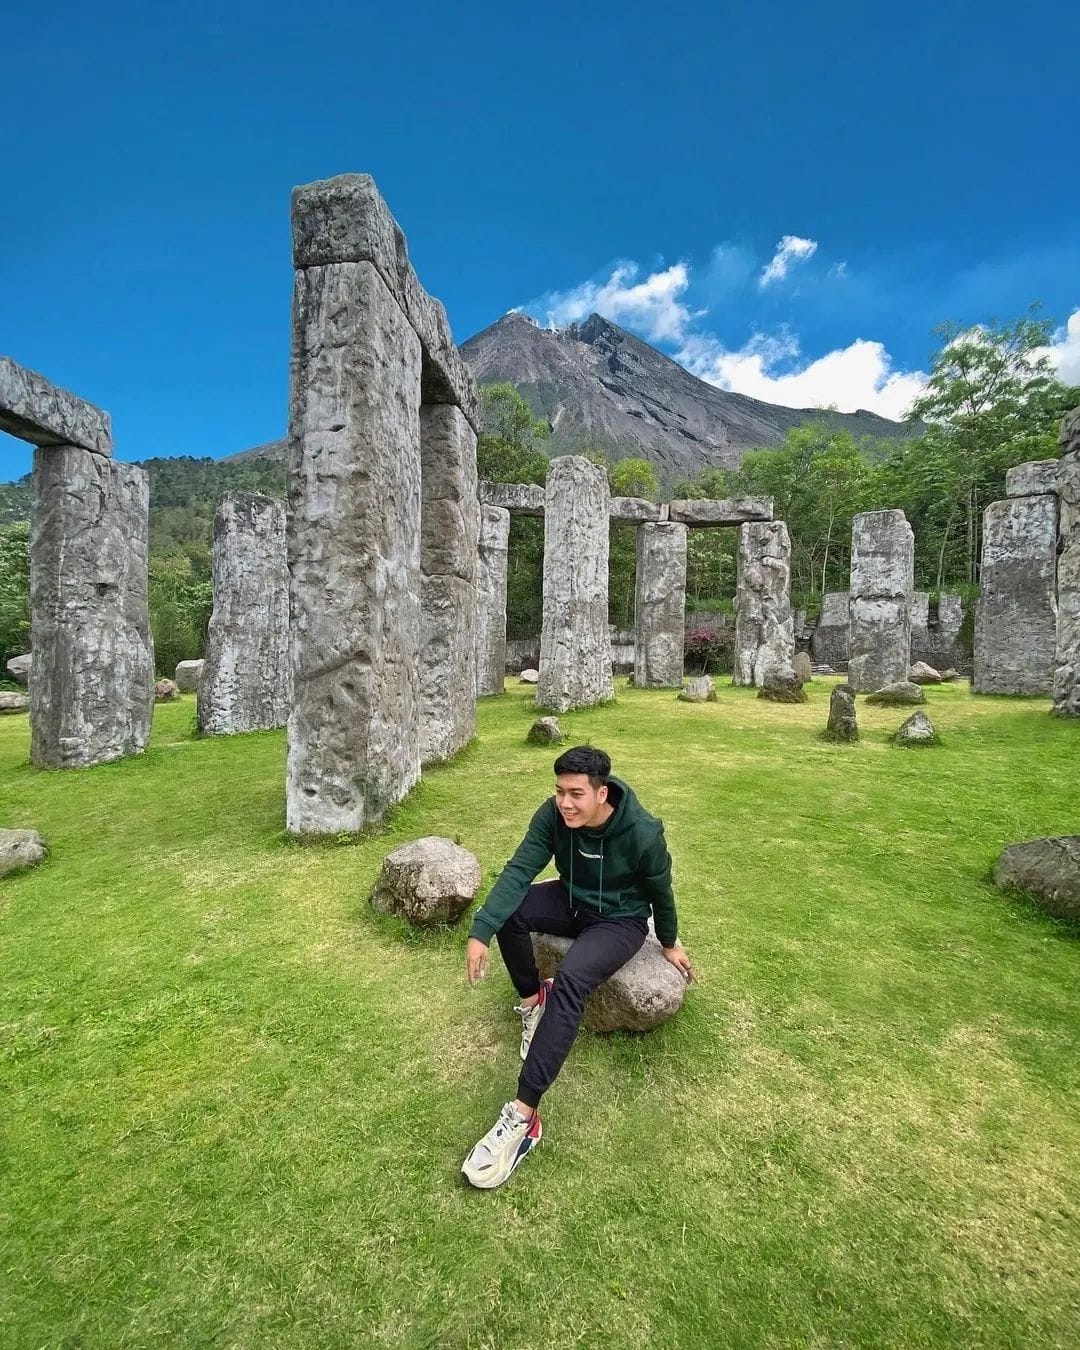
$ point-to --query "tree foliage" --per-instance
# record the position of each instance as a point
(14, 592)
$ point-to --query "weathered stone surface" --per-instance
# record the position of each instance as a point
(449, 532)
(764, 633)
(921, 673)
(1066, 690)
(188, 674)
(917, 730)
(720, 510)
(632, 511)
(882, 586)
(1048, 870)
(901, 694)
(92, 691)
(529, 676)
(660, 606)
(36, 410)
(19, 668)
(14, 703)
(1068, 483)
(843, 722)
(935, 630)
(428, 881)
(803, 667)
(1031, 479)
(245, 678)
(345, 220)
(546, 731)
(781, 685)
(575, 645)
(699, 689)
(645, 992)
(829, 640)
(491, 600)
(166, 691)
(20, 849)
(520, 499)
(1016, 613)
(354, 551)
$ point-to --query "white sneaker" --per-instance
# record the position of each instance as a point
(510, 1139)
(530, 1017)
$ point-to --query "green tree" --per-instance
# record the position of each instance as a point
(633, 477)
(14, 591)
(508, 448)
(180, 607)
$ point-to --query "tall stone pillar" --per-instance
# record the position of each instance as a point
(660, 606)
(1016, 613)
(354, 474)
(92, 684)
(764, 629)
(245, 679)
(575, 645)
(882, 587)
(1067, 653)
(450, 523)
(491, 600)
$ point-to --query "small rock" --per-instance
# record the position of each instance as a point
(645, 992)
(842, 724)
(700, 689)
(187, 676)
(165, 691)
(921, 673)
(529, 676)
(782, 686)
(20, 849)
(19, 668)
(14, 703)
(803, 667)
(546, 731)
(428, 881)
(917, 730)
(1048, 870)
(947, 676)
(898, 695)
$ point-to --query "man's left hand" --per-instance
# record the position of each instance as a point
(681, 962)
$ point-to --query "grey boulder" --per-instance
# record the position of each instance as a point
(642, 994)
(901, 694)
(187, 676)
(921, 673)
(1048, 870)
(529, 676)
(166, 691)
(14, 703)
(700, 689)
(917, 730)
(428, 881)
(19, 668)
(782, 686)
(843, 724)
(803, 667)
(20, 849)
(546, 731)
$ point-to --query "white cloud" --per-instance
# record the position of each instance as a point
(852, 377)
(790, 249)
(1064, 351)
(652, 306)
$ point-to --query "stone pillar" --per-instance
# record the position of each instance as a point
(660, 606)
(491, 600)
(829, 640)
(354, 474)
(882, 586)
(1016, 613)
(92, 682)
(245, 680)
(450, 523)
(575, 646)
(1067, 654)
(764, 631)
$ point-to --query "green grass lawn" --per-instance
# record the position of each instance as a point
(234, 1102)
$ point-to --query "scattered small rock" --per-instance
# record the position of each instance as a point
(782, 686)
(529, 676)
(187, 676)
(428, 881)
(165, 691)
(803, 667)
(546, 731)
(700, 689)
(921, 673)
(917, 730)
(20, 849)
(947, 676)
(19, 668)
(843, 723)
(14, 703)
(1048, 870)
(901, 694)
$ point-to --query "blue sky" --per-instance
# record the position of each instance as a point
(644, 159)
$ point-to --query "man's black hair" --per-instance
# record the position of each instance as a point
(585, 759)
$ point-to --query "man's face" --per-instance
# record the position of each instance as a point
(579, 803)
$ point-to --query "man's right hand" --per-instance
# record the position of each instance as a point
(476, 954)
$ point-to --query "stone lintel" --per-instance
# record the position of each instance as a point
(633, 511)
(345, 219)
(1039, 477)
(520, 499)
(721, 511)
(36, 410)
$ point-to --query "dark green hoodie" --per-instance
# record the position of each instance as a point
(619, 868)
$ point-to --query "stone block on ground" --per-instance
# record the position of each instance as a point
(427, 881)
(782, 686)
(921, 673)
(187, 676)
(645, 992)
(699, 689)
(14, 703)
(917, 730)
(902, 694)
(20, 849)
(529, 676)
(19, 668)
(1048, 870)
(803, 667)
(546, 731)
(843, 722)
(166, 691)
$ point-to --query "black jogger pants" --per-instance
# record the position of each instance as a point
(602, 945)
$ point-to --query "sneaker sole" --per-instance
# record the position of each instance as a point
(526, 1147)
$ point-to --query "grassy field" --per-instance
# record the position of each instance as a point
(234, 1102)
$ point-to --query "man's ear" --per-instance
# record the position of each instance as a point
(601, 793)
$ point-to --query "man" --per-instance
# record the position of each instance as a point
(614, 867)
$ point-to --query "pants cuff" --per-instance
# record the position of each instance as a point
(528, 1095)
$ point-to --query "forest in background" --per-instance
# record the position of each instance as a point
(992, 402)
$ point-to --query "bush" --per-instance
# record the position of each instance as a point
(711, 649)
